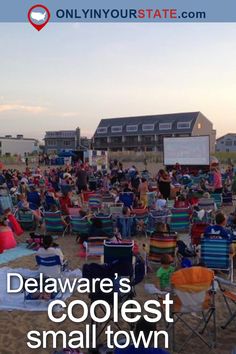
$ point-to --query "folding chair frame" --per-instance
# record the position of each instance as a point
(228, 297)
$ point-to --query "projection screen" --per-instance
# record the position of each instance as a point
(194, 150)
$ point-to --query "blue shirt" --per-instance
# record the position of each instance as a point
(219, 231)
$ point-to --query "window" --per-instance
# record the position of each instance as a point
(222, 142)
(102, 130)
(51, 142)
(183, 125)
(199, 126)
(165, 126)
(116, 129)
(67, 142)
(131, 128)
(234, 142)
(147, 127)
(228, 143)
(0, 144)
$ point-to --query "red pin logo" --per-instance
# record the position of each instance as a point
(38, 16)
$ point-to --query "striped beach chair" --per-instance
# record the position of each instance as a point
(215, 254)
(180, 219)
(94, 202)
(162, 244)
(107, 223)
(79, 226)
(94, 247)
(53, 223)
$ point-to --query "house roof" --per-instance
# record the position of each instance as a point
(226, 135)
(173, 118)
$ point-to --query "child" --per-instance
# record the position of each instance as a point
(164, 272)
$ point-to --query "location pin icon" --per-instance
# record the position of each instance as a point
(38, 16)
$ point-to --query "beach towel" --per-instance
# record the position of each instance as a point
(9, 302)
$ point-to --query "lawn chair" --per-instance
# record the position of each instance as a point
(127, 198)
(227, 199)
(94, 202)
(118, 251)
(215, 254)
(73, 211)
(180, 219)
(151, 199)
(228, 290)
(54, 224)
(116, 209)
(118, 258)
(126, 226)
(26, 219)
(191, 287)
(218, 199)
(5, 203)
(86, 195)
(94, 247)
(161, 244)
(52, 263)
(207, 204)
(197, 231)
(107, 223)
(141, 217)
(79, 226)
(157, 216)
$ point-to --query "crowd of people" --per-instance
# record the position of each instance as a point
(61, 189)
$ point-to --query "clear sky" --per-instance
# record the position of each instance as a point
(71, 75)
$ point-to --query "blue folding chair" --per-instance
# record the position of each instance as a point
(54, 223)
(215, 254)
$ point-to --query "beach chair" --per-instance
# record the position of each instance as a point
(217, 199)
(79, 226)
(151, 199)
(116, 210)
(197, 231)
(157, 216)
(73, 211)
(122, 252)
(126, 226)
(180, 220)
(227, 198)
(86, 195)
(118, 260)
(54, 262)
(228, 291)
(141, 217)
(54, 224)
(193, 292)
(107, 223)
(5, 203)
(94, 247)
(163, 243)
(94, 202)
(26, 219)
(207, 204)
(215, 254)
(127, 198)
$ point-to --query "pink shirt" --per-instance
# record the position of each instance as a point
(217, 180)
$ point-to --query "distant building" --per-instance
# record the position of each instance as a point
(18, 145)
(226, 143)
(146, 133)
(57, 141)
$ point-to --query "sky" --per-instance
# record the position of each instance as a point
(73, 75)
